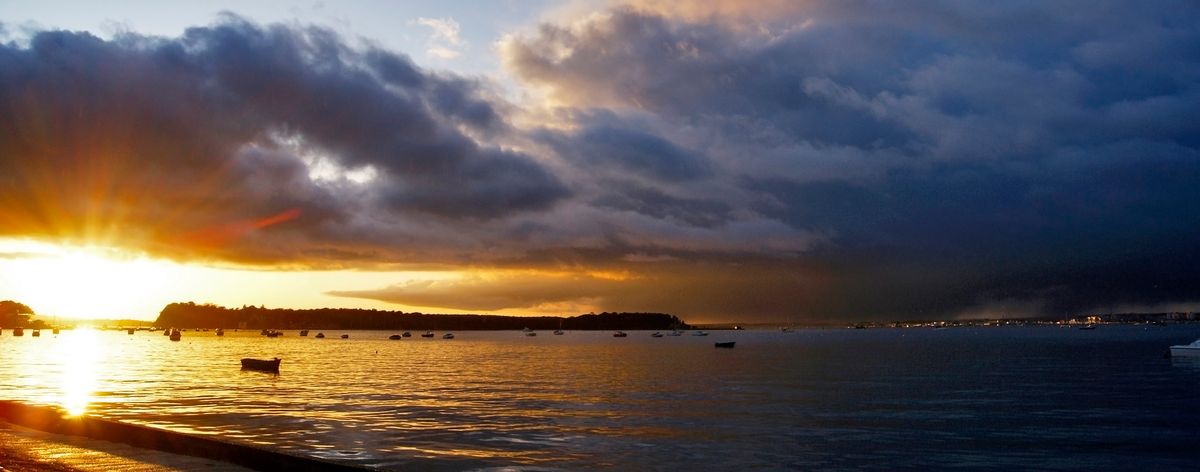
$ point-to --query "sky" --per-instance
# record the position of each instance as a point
(748, 161)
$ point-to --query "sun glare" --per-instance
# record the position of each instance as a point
(65, 283)
(81, 282)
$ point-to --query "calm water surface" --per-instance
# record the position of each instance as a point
(1002, 398)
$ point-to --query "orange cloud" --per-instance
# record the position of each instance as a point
(224, 234)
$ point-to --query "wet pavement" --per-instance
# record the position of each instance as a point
(23, 449)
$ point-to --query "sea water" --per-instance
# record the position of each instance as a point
(880, 399)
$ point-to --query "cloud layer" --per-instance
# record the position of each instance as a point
(770, 160)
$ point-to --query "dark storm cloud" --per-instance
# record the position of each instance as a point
(170, 140)
(1021, 157)
(772, 160)
(644, 154)
(655, 203)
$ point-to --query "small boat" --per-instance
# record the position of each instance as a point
(677, 333)
(1188, 350)
(55, 331)
(406, 335)
(176, 335)
(531, 333)
(129, 331)
(727, 344)
(320, 336)
(700, 333)
(37, 333)
(263, 365)
(427, 334)
(220, 331)
(394, 337)
(656, 334)
(274, 334)
(1089, 326)
(448, 336)
(620, 334)
(304, 332)
(345, 336)
(18, 331)
(558, 332)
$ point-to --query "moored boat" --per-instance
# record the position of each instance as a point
(656, 334)
(320, 336)
(448, 336)
(558, 332)
(264, 365)
(427, 334)
(700, 333)
(37, 333)
(726, 344)
(18, 331)
(304, 332)
(176, 335)
(129, 331)
(1187, 350)
(345, 336)
(406, 334)
(620, 334)
(220, 331)
(394, 337)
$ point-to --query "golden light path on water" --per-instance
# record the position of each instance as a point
(78, 352)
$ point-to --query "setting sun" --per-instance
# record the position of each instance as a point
(83, 282)
(62, 282)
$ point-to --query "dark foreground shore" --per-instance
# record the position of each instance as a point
(43, 438)
(23, 449)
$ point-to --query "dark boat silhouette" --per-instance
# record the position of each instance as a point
(262, 365)
(728, 344)
(394, 337)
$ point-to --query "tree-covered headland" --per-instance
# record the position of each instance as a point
(192, 315)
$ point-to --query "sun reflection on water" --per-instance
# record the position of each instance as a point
(78, 350)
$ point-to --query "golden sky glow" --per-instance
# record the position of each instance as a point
(91, 282)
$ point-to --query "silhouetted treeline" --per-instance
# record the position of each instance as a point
(191, 315)
(14, 314)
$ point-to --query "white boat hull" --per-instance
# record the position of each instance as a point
(1185, 351)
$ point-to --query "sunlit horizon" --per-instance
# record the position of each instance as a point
(81, 283)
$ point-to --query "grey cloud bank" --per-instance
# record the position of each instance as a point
(839, 160)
